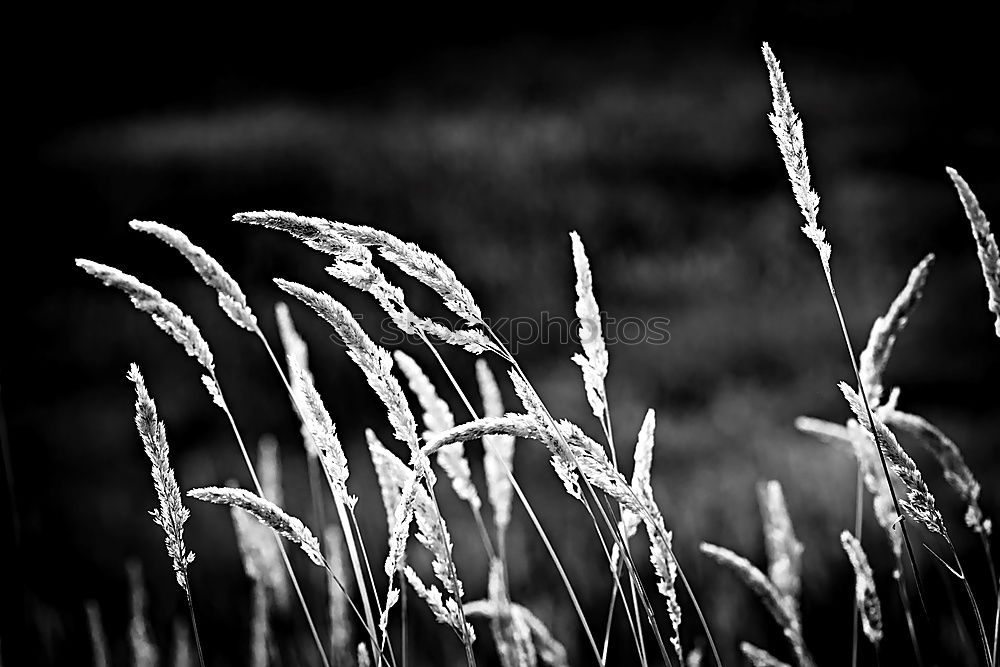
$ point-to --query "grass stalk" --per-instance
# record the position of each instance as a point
(904, 598)
(960, 573)
(281, 546)
(348, 528)
(878, 444)
(194, 624)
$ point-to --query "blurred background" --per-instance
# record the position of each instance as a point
(487, 143)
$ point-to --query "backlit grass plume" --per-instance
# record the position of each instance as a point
(231, 297)
(266, 513)
(919, 503)
(779, 591)
(337, 237)
(594, 360)
(787, 128)
(775, 603)
(446, 611)
(170, 515)
(758, 657)
(875, 356)
(297, 358)
(784, 551)
(864, 588)
(374, 362)
(437, 419)
(498, 459)
(357, 270)
(949, 456)
(165, 313)
(660, 539)
(986, 245)
(590, 456)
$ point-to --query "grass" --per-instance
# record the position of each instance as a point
(610, 505)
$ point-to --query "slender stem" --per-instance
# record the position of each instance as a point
(878, 443)
(996, 624)
(859, 492)
(989, 561)
(636, 631)
(972, 601)
(904, 598)
(354, 608)
(638, 635)
(194, 622)
(403, 615)
(281, 546)
(348, 538)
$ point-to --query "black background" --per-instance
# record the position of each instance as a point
(486, 137)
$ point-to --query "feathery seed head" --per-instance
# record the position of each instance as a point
(316, 233)
(438, 418)
(864, 588)
(949, 456)
(787, 128)
(986, 245)
(499, 457)
(886, 328)
(758, 657)
(784, 551)
(170, 515)
(594, 360)
(920, 503)
(165, 313)
(373, 360)
(266, 513)
(231, 297)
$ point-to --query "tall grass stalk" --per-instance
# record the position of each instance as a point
(281, 547)
(787, 128)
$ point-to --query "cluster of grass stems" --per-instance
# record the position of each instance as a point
(363, 597)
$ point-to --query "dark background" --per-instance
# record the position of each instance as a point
(487, 142)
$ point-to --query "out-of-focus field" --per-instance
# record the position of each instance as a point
(657, 152)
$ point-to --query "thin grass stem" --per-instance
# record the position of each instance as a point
(194, 622)
(281, 546)
(904, 598)
(972, 601)
(348, 538)
(859, 496)
(878, 445)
